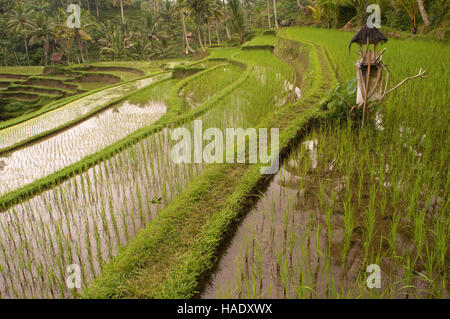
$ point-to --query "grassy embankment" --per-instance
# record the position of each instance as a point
(103, 218)
(171, 257)
(70, 122)
(174, 116)
(147, 68)
(359, 197)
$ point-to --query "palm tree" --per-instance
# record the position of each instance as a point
(198, 10)
(116, 40)
(410, 6)
(150, 27)
(163, 49)
(66, 35)
(63, 35)
(275, 13)
(212, 12)
(19, 21)
(195, 9)
(121, 3)
(329, 9)
(217, 14)
(268, 14)
(258, 17)
(185, 37)
(153, 37)
(423, 13)
(167, 14)
(42, 31)
(141, 48)
(360, 7)
(88, 24)
(237, 19)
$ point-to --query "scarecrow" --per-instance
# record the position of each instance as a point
(369, 70)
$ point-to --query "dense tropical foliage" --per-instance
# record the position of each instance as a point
(32, 30)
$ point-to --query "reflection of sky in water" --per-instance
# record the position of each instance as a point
(60, 116)
(42, 159)
(71, 209)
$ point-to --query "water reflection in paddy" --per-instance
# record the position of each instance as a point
(87, 218)
(42, 159)
(53, 119)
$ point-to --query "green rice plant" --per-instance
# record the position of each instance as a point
(119, 219)
(349, 224)
(198, 257)
(201, 89)
(391, 183)
(125, 118)
(395, 186)
(370, 219)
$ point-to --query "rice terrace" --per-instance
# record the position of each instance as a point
(224, 149)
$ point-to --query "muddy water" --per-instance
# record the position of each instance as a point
(268, 231)
(86, 219)
(69, 112)
(50, 155)
(295, 243)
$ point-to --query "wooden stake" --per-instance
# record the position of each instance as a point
(366, 91)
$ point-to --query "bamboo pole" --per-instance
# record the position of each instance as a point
(366, 90)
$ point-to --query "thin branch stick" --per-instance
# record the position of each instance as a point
(380, 55)
(361, 82)
(366, 91)
(388, 76)
(419, 75)
(366, 95)
(354, 107)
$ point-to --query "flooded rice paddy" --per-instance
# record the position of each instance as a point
(320, 225)
(203, 88)
(86, 219)
(50, 155)
(58, 117)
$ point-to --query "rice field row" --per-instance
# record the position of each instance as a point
(261, 41)
(60, 116)
(21, 168)
(70, 146)
(343, 200)
(172, 253)
(348, 198)
(322, 222)
(96, 212)
(201, 89)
